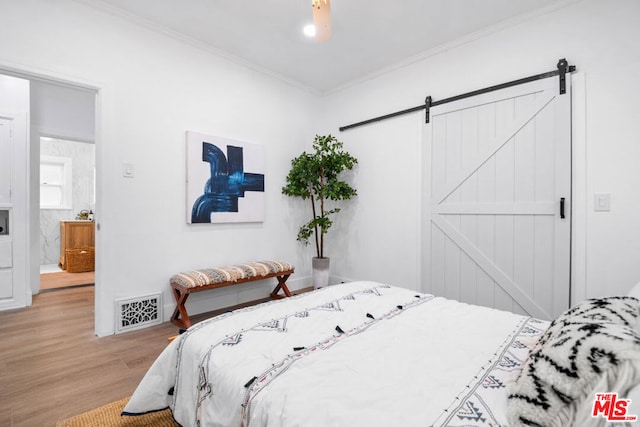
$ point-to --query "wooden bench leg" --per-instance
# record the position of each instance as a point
(281, 285)
(180, 310)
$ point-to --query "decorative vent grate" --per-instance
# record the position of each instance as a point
(135, 313)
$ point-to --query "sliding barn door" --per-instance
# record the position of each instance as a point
(498, 221)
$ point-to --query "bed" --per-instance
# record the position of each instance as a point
(371, 354)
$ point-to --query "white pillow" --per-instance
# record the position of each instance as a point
(635, 291)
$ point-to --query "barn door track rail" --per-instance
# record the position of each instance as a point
(563, 68)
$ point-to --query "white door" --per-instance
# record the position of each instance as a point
(6, 274)
(14, 107)
(500, 166)
(5, 161)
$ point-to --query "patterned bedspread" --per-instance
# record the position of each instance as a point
(483, 401)
(361, 353)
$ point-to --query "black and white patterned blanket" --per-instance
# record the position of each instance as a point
(592, 348)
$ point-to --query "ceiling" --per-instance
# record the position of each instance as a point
(368, 35)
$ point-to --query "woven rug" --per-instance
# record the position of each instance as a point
(109, 415)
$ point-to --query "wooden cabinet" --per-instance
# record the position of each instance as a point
(75, 234)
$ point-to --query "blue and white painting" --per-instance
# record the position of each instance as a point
(225, 180)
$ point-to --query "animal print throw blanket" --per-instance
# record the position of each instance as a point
(592, 348)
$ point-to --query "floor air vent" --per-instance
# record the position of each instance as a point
(135, 313)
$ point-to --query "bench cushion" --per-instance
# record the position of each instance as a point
(232, 273)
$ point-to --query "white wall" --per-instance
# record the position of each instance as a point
(63, 112)
(601, 39)
(152, 89)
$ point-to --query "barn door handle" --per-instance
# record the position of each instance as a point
(561, 207)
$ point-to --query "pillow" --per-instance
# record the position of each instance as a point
(591, 348)
(635, 291)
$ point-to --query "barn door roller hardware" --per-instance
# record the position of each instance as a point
(563, 68)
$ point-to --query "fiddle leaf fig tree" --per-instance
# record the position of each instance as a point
(315, 176)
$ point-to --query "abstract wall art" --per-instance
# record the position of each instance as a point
(225, 180)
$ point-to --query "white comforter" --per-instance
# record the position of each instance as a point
(356, 354)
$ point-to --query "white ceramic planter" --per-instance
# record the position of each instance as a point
(320, 270)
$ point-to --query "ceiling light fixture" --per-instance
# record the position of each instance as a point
(309, 30)
(322, 19)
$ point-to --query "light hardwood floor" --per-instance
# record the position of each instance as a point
(52, 366)
(63, 279)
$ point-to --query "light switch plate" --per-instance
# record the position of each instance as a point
(127, 170)
(602, 202)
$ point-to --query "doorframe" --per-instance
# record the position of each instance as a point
(579, 208)
(32, 283)
(579, 186)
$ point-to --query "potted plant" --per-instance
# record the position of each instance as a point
(315, 176)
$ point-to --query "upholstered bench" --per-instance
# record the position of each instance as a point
(183, 284)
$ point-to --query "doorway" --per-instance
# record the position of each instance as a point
(63, 159)
(67, 205)
(51, 106)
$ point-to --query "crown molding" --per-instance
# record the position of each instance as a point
(509, 23)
